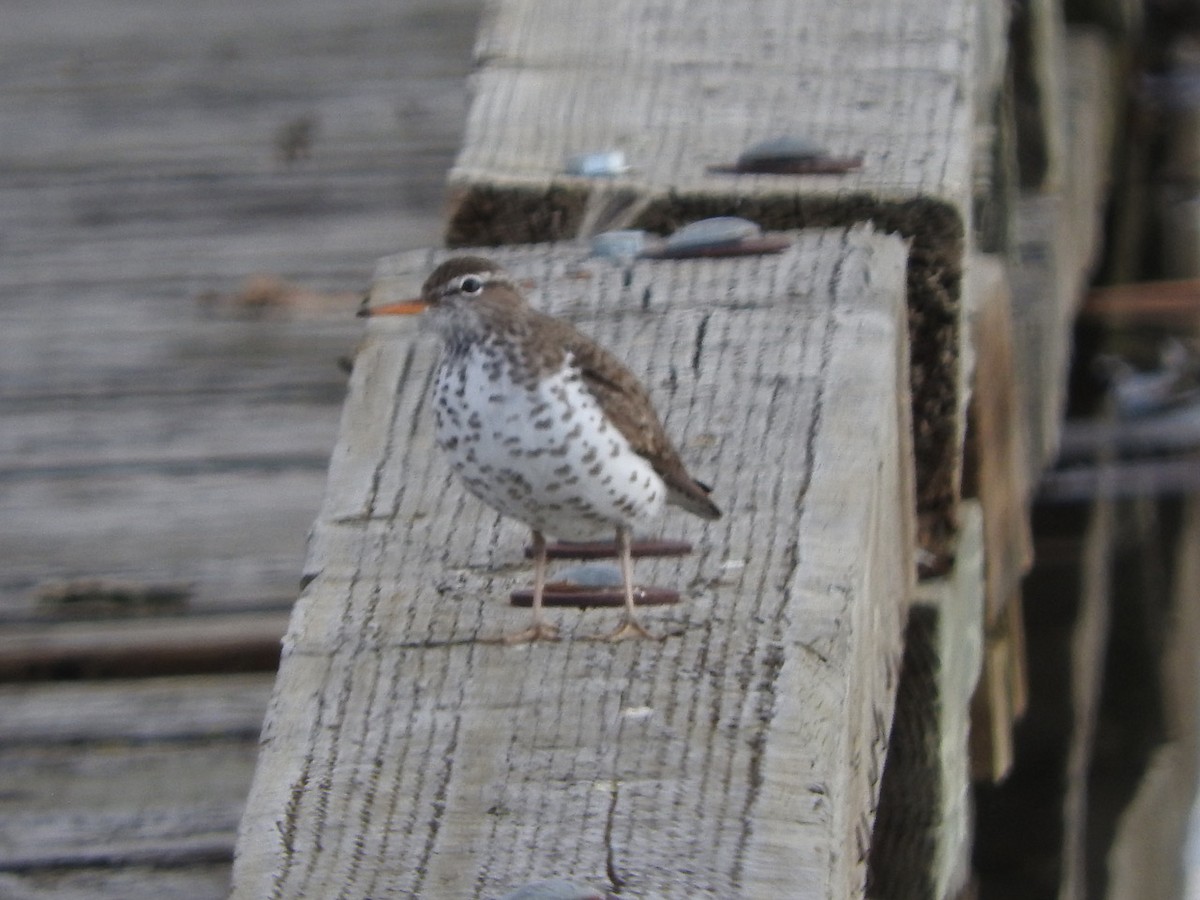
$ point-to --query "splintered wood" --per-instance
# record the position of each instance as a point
(740, 756)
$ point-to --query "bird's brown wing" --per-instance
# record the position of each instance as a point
(627, 405)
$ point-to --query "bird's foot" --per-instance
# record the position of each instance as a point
(540, 631)
(630, 629)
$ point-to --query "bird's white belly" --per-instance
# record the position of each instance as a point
(542, 453)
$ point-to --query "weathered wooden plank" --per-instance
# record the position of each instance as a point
(105, 806)
(1003, 694)
(401, 755)
(185, 85)
(997, 454)
(113, 131)
(893, 82)
(997, 142)
(149, 709)
(1039, 62)
(230, 540)
(125, 789)
(149, 438)
(149, 646)
(327, 247)
(147, 445)
(169, 347)
(204, 881)
(193, 834)
(1056, 245)
(669, 58)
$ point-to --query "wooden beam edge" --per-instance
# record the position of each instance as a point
(869, 637)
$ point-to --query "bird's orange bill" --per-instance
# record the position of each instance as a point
(402, 308)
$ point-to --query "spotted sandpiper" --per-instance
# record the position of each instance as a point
(546, 426)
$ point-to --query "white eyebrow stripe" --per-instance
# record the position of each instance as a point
(487, 278)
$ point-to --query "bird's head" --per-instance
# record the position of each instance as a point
(460, 295)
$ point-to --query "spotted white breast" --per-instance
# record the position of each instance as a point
(540, 450)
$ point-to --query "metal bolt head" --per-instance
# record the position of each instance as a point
(597, 164)
(782, 148)
(593, 575)
(715, 232)
(621, 245)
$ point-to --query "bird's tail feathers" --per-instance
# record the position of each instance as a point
(694, 498)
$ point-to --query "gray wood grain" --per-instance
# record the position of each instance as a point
(150, 437)
(100, 823)
(680, 87)
(199, 881)
(144, 645)
(211, 706)
(403, 756)
(125, 789)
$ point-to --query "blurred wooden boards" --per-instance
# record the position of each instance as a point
(148, 438)
(142, 646)
(402, 754)
(1057, 239)
(154, 443)
(127, 789)
(1174, 303)
(1021, 316)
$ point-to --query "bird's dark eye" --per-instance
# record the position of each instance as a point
(472, 284)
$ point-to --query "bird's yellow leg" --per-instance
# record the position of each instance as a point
(540, 629)
(630, 628)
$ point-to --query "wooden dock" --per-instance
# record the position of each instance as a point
(401, 755)
(165, 425)
(654, 765)
(167, 420)
(879, 398)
